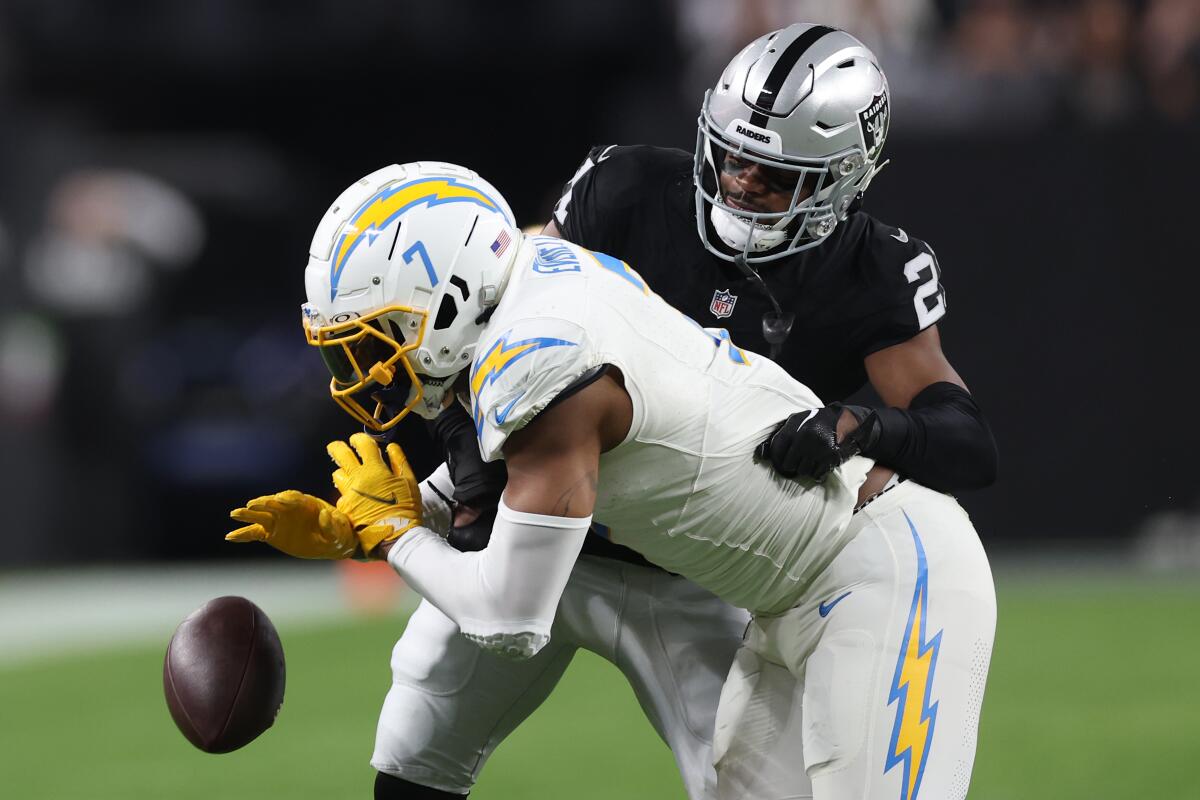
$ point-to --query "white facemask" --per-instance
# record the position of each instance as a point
(735, 230)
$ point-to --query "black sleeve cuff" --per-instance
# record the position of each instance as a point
(941, 440)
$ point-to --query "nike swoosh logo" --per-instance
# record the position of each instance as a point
(502, 414)
(901, 237)
(386, 501)
(824, 608)
(812, 413)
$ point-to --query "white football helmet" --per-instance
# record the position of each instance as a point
(811, 104)
(400, 272)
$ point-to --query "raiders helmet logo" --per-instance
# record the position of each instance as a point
(873, 125)
(722, 303)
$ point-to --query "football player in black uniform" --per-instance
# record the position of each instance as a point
(759, 232)
(785, 260)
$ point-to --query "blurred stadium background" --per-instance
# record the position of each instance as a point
(163, 165)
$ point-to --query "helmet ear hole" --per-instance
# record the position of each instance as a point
(397, 333)
(447, 312)
(458, 282)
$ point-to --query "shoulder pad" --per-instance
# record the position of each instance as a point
(518, 371)
(906, 280)
(890, 242)
(594, 157)
(611, 180)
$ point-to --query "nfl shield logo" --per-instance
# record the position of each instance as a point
(722, 303)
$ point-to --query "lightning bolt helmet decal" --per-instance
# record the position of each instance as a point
(386, 205)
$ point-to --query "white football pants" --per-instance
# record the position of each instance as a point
(452, 703)
(871, 687)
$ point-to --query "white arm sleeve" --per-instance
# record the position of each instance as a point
(503, 597)
(437, 513)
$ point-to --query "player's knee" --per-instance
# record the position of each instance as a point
(389, 787)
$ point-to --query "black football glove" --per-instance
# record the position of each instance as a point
(478, 484)
(806, 445)
(475, 535)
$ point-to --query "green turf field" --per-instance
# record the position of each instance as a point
(1094, 693)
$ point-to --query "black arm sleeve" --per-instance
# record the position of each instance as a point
(477, 483)
(941, 440)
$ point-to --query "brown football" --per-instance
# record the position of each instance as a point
(224, 674)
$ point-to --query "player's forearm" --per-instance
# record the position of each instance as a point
(941, 440)
(504, 596)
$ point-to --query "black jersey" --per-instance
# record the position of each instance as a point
(866, 287)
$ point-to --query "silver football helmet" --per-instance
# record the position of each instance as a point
(810, 105)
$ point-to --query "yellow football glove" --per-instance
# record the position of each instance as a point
(297, 524)
(373, 490)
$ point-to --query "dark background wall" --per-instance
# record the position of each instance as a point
(162, 167)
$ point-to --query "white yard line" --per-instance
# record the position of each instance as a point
(62, 611)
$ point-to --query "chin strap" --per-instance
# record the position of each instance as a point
(776, 324)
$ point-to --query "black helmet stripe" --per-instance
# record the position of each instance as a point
(783, 67)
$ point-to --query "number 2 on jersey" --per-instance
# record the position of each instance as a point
(930, 287)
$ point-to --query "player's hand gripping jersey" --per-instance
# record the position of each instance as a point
(683, 488)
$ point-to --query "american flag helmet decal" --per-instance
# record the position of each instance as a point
(501, 243)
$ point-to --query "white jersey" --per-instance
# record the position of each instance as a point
(683, 488)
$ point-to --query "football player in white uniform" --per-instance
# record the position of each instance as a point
(862, 671)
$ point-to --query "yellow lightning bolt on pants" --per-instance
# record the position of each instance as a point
(868, 701)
